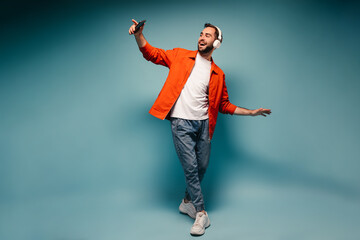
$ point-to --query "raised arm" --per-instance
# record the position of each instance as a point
(150, 53)
(140, 39)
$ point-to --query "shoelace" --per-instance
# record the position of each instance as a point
(199, 220)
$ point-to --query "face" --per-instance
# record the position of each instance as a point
(206, 40)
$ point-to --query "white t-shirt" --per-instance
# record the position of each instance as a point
(193, 102)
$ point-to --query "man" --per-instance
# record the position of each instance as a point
(193, 94)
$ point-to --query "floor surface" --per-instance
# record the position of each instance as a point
(249, 208)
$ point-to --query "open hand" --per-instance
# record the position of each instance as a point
(261, 111)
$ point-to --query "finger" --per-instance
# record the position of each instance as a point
(132, 29)
(134, 21)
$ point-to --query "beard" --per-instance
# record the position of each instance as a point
(206, 50)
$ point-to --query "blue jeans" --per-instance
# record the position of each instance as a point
(192, 145)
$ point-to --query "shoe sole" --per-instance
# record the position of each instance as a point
(200, 234)
(185, 213)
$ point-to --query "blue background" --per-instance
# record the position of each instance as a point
(81, 158)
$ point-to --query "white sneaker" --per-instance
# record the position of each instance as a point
(187, 208)
(202, 221)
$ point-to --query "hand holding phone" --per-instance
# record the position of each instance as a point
(139, 25)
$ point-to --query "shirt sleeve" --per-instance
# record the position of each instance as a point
(157, 55)
(226, 107)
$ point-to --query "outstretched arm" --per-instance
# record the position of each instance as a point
(150, 53)
(140, 39)
(255, 112)
(229, 108)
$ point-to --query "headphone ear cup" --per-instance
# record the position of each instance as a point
(216, 43)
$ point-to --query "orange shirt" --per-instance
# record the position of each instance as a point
(181, 62)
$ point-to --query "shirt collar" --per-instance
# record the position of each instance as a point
(192, 55)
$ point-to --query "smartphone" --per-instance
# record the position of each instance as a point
(140, 24)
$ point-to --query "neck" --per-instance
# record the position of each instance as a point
(207, 56)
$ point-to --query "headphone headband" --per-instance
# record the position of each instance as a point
(220, 35)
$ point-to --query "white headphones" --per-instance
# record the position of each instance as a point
(217, 42)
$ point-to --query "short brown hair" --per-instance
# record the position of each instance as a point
(216, 30)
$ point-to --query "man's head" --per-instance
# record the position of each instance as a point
(207, 38)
